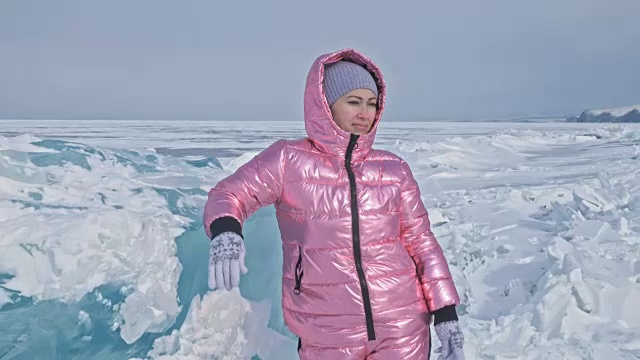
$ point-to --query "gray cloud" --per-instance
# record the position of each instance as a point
(147, 59)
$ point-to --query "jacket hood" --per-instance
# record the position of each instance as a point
(319, 124)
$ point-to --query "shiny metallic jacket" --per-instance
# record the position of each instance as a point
(360, 260)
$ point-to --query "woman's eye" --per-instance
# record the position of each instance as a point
(372, 104)
(354, 102)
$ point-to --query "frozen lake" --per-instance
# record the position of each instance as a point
(102, 252)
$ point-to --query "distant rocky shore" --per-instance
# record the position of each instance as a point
(630, 114)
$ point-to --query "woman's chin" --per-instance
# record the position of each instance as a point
(356, 130)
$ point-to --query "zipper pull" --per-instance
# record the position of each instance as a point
(298, 273)
(353, 140)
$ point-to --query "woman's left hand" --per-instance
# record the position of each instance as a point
(452, 339)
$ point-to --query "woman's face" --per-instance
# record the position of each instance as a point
(354, 111)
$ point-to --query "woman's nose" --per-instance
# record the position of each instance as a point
(363, 112)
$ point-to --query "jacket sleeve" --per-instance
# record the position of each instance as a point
(255, 184)
(437, 284)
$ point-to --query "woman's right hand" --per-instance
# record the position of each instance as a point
(452, 339)
(226, 261)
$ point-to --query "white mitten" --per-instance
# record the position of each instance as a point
(226, 261)
(452, 339)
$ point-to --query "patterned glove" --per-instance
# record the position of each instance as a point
(226, 261)
(452, 339)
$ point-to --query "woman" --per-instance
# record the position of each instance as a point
(363, 274)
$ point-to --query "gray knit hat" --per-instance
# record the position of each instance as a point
(343, 76)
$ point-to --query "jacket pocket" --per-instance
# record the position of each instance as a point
(298, 272)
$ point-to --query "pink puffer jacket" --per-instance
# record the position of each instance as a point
(360, 260)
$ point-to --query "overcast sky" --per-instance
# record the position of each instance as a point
(467, 59)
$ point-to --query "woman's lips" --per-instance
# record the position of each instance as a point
(360, 126)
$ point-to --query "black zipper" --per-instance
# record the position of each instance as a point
(355, 228)
(299, 272)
